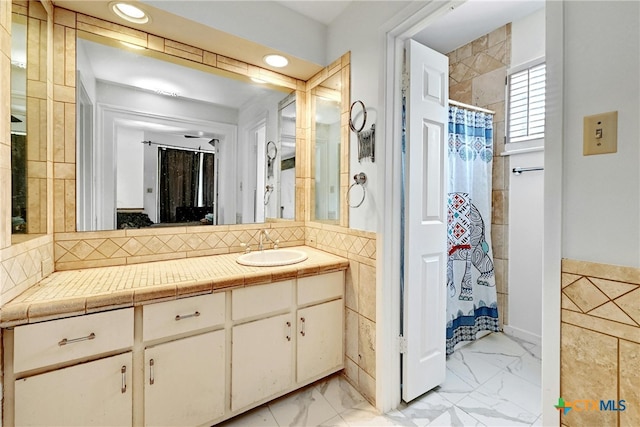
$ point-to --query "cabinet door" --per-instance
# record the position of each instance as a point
(262, 359)
(185, 381)
(320, 338)
(96, 393)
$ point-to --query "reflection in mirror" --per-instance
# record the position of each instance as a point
(287, 166)
(18, 124)
(326, 99)
(171, 145)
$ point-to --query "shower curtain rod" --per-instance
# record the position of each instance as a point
(197, 150)
(471, 107)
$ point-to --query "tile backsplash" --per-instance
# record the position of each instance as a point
(600, 342)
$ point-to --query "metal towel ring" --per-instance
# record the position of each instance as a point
(359, 179)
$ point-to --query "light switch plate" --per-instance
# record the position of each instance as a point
(600, 133)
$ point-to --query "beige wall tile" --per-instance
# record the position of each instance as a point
(352, 327)
(585, 294)
(367, 386)
(352, 286)
(367, 345)
(629, 390)
(367, 292)
(589, 370)
(604, 326)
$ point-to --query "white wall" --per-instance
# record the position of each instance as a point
(287, 30)
(527, 38)
(129, 161)
(144, 101)
(601, 194)
(357, 30)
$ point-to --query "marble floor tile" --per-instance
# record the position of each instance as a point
(365, 415)
(455, 417)
(471, 366)
(426, 408)
(336, 421)
(258, 417)
(495, 412)
(527, 367)
(454, 388)
(510, 388)
(306, 407)
(339, 393)
(496, 349)
(538, 422)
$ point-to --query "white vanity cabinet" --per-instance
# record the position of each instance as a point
(192, 361)
(184, 380)
(94, 392)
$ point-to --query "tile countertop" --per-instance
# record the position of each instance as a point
(76, 292)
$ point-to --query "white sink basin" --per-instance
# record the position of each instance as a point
(272, 258)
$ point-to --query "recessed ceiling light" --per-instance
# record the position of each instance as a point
(130, 13)
(278, 61)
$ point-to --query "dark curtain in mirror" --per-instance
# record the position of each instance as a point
(18, 183)
(178, 182)
(208, 174)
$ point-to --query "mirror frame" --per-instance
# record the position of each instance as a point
(67, 26)
(341, 65)
(38, 118)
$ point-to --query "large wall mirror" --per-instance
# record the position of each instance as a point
(329, 140)
(28, 121)
(165, 142)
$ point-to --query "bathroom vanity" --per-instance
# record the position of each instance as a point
(191, 352)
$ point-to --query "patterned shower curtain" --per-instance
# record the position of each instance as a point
(472, 300)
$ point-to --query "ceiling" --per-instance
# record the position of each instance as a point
(472, 20)
(322, 11)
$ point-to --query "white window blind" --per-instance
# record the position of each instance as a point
(526, 104)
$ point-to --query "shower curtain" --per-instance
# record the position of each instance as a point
(472, 299)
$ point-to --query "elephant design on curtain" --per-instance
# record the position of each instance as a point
(466, 242)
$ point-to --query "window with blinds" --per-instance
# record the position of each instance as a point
(526, 104)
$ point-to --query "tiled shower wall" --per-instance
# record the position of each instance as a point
(600, 342)
(360, 299)
(477, 73)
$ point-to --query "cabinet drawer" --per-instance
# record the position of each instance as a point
(261, 299)
(183, 315)
(58, 341)
(321, 287)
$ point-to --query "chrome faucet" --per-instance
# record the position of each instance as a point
(265, 233)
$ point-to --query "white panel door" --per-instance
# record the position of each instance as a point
(185, 381)
(97, 393)
(423, 362)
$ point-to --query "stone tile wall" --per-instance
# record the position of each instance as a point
(600, 342)
(360, 299)
(477, 73)
(133, 246)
